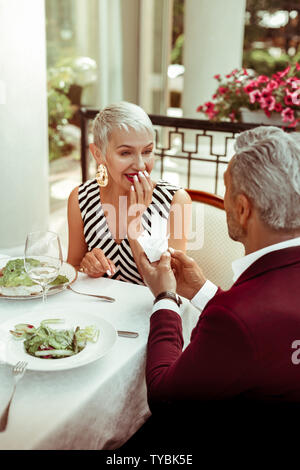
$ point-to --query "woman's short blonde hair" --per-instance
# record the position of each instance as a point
(121, 115)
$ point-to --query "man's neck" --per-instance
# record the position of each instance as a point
(266, 238)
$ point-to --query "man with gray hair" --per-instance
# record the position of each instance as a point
(245, 348)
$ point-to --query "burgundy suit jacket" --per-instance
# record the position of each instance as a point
(242, 343)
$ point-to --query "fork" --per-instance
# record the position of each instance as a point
(18, 372)
(101, 297)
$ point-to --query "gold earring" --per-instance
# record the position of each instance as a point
(101, 175)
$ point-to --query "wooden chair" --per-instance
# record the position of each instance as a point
(211, 245)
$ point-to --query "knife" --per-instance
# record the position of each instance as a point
(127, 334)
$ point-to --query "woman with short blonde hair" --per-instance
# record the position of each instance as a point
(107, 215)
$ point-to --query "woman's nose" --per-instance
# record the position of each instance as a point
(140, 163)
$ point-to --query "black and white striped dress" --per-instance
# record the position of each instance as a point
(98, 235)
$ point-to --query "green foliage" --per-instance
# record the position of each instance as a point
(176, 53)
(61, 77)
(177, 32)
(263, 62)
(59, 110)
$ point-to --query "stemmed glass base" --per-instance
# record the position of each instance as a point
(43, 259)
(44, 294)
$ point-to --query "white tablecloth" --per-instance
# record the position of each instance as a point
(96, 406)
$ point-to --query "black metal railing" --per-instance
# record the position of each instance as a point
(190, 134)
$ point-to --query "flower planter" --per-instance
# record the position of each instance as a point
(243, 91)
(259, 117)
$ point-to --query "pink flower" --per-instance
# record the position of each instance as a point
(254, 96)
(288, 98)
(295, 84)
(279, 93)
(287, 115)
(280, 81)
(278, 78)
(199, 109)
(284, 72)
(262, 79)
(209, 105)
(291, 80)
(268, 103)
(294, 123)
(265, 93)
(250, 86)
(210, 109)
(222, 90)
(211, 114)
(231, 74)
(272, 85)
(295, 97)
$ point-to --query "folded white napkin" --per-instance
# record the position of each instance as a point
(156, 244)
(153, 247)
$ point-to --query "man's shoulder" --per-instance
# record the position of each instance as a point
(270, 291)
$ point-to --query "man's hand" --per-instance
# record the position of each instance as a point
(188, 275)
(158, 276)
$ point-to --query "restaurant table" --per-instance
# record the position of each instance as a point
(99, 405)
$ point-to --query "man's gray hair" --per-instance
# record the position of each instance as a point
(121, 115)
(266, 168)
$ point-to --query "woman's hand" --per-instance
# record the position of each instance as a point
(95, 264)
(143, 189)
(139, 199)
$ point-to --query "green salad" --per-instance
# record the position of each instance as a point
(14, 274)
(49, 343)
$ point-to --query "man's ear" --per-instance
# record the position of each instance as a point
(97, 154)
(243, 209)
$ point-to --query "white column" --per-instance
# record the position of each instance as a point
(110, 59)
(24, 200)
(130, 49)
(154, 54)
(213, 44)
(146, 44)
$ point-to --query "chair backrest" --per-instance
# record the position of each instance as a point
(211, 245)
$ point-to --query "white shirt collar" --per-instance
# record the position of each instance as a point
(240, 265)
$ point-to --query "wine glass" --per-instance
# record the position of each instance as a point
(43, 258)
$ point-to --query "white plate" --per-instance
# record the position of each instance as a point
(35, 292)
(13, 350)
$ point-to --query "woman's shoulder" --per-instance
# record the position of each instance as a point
(92, 183)
(84, 189)
(82, 192)
(165, 185)
(177, 192)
